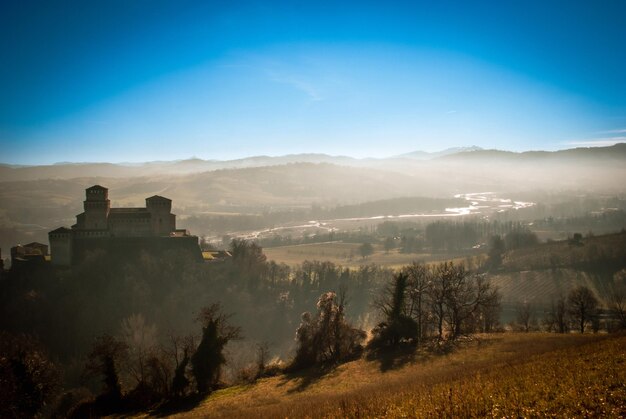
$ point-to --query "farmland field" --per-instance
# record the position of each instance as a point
(347, 254)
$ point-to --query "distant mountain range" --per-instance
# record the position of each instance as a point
(35, 199)
(424, 155)
(403, 162)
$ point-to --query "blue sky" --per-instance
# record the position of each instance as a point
(140, 80)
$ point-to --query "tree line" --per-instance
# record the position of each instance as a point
(150, 330)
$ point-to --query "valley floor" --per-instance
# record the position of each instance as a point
(503, 375)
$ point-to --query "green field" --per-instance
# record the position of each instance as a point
(347, 254)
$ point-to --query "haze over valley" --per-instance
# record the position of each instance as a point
(36, 198)
(312, 209)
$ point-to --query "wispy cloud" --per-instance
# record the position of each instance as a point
(596, 142)
(298, 83)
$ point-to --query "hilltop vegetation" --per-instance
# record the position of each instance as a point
(148, 306)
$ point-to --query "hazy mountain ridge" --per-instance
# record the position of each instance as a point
(37, 199)
(424, 155)
(614, 152)
(414, 161)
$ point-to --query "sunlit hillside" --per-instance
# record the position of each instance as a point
(503, 375)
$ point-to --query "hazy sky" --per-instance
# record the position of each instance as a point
(138, 80)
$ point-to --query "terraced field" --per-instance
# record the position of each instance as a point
(540, 287)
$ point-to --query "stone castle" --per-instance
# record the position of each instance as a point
(118, 230)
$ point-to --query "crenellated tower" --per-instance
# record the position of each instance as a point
(97, 207)
(162, 220)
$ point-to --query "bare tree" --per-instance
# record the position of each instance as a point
(556, 319)
(468, 294)
(460, 299)
(487, 308)
(524, 312)
(617, 298)
(419, 280)
(141, 341)
(262, 356)
(438, 291)
(488, 313)
(446, 296)
(582, 305)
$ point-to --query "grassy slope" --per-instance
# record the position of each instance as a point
(501, 375)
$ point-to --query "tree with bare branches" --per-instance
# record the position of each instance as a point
(524, 311)
(419, 280)
(582, 305)
(617, 299)
(556, 319)
(438, 293)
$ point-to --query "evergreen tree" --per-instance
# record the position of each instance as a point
(398, 325)
(208, 359)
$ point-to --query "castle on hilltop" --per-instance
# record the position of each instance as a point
(118, 230)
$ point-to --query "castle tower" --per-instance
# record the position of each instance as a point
(97, 207)
(61, 246)
(163, 221)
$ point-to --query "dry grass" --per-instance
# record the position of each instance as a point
(505, 375)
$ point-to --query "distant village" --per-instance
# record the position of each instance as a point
(119, 231)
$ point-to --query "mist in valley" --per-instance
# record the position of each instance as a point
(308, 210)
(298, 229)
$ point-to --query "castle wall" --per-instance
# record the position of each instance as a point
(130, 226)
(60, 248)
(122, 248)
(96, 214)
(120, 232)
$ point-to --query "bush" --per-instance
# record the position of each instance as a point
(28, 379)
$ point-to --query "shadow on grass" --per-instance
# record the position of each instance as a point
(182, 405)
(394, 358)
(305, 377)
